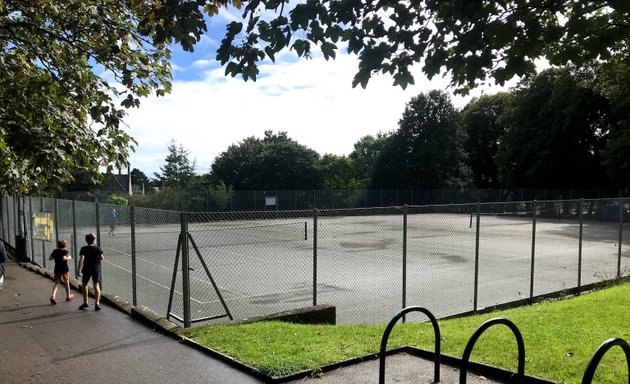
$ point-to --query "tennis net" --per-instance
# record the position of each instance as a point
(219, 234)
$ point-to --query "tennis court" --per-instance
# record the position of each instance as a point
(267, 266)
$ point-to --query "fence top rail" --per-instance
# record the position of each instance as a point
(359, 210)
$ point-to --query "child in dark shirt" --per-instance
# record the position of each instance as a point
(62, 272)
(90, 257)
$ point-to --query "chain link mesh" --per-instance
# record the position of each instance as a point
(600, 248)
(505, 241)
(448, 258)
(156, 238)
(359, 263)
(261, 262)
(440, 258)
(66, 231)
(115, 242)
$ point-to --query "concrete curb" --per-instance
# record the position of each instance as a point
(227, 359)
(158, 321)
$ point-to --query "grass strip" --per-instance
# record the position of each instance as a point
(560, 338)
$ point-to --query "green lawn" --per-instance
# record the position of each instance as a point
(560, 337)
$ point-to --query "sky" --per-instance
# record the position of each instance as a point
(312, 100)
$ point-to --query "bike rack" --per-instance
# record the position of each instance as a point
(473, 339)
(388, 330)
(600, 352)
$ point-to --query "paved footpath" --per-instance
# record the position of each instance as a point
(44, 343)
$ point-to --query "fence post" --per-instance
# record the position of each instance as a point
(315, 214)
(7, 225)
(5, 212)
(621, 209)
(185, 269)
(476, 289)
(3, 224)
(16, 222)
(404, 261)
(531, 278)
(98, 223)
(75, 246)
(580, 237)
(41, 209)
(134, 272)
(56, 220)
(30, 220)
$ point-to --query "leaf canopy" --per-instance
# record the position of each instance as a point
(473, 41)
(69, 71)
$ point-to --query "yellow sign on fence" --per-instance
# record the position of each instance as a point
(43, 226)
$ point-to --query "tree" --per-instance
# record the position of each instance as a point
(79, 181)
(139, 178)
(239, 165)
(613, 83)
(472, 40)
(59, 111)
(427, 150)
(275, 162)
(179, 171)
(365, 153)
(338, 172)
(118, 200)
(484, 123)
(220, 195)
(557, 131)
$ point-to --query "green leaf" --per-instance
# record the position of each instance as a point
(329, 50)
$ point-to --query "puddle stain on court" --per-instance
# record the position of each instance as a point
(453, 258)
(297, 296)
(361, 246)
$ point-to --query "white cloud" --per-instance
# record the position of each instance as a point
(207, 41)
(312, 100)
(200, 64)
(177, 68)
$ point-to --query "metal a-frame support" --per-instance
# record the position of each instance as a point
(187, 237)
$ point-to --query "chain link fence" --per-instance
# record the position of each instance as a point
(367, 262)
(212, 200)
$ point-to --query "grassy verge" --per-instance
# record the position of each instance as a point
(560, 337)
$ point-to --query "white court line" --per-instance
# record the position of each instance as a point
(169, 270)
(152, 281)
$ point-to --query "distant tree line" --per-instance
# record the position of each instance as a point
(564, 128)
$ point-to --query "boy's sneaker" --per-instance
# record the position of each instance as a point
(69, 298)
(83, 306)
(97, 307)
(53, 300)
